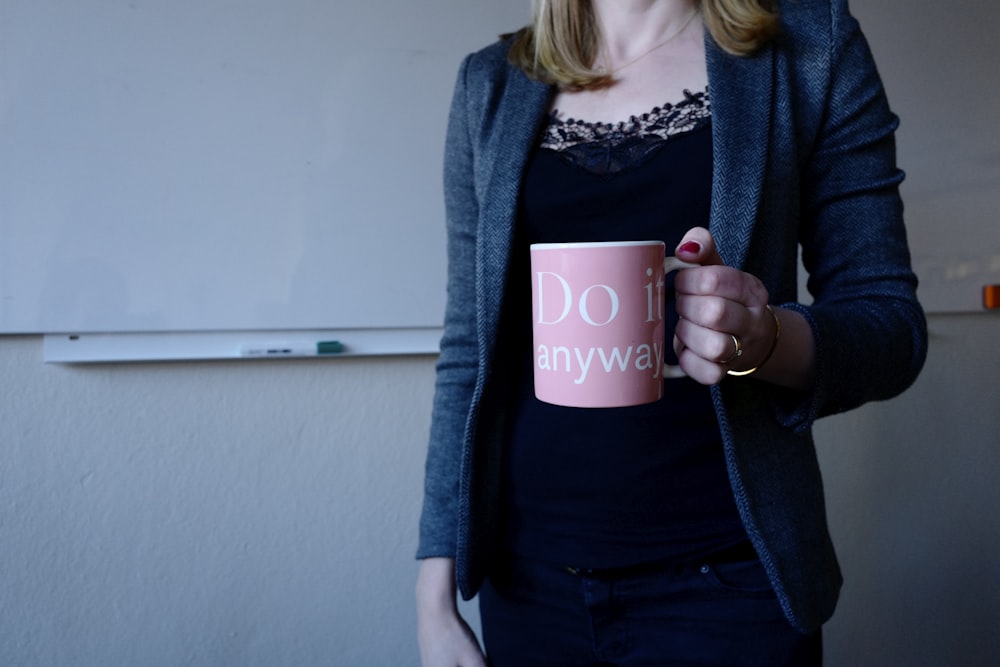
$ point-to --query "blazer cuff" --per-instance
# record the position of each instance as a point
(794, 409)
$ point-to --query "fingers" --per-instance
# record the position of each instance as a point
(721, 299)
(703, 353)
(706, 353)
(715, 303)
(698, 247)
(714, 346)
(714, 278)
(714, 313)
(697, 367)
(722, 283)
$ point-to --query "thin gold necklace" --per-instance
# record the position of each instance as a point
(687, 22)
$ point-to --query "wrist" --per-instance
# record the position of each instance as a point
(435, 588)
(793, 362)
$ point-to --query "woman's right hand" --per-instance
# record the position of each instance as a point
(446, 640)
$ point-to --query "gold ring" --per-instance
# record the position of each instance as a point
(737, 354)
(767, 357)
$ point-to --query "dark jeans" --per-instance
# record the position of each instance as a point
(724, 614)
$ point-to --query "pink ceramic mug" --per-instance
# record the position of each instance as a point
(597, 324)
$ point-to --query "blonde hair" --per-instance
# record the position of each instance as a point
(560, 45)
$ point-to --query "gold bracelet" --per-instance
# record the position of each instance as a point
(767, 357)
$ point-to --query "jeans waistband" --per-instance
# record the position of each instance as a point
(743, 551)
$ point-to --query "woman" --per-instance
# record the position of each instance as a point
(691, 530)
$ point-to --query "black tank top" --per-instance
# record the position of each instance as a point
(606, 488)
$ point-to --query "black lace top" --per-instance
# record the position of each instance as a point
(614, 486)
(608, 148)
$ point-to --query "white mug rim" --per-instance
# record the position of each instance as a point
(594, 244)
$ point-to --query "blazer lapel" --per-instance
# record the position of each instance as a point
(741, 90)
(512, 136)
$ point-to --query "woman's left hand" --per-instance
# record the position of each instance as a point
(724, 321)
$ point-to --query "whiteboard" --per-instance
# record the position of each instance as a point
(216, 165)
(251, 165)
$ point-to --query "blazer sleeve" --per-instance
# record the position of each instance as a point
(870, 330)
(458, 361)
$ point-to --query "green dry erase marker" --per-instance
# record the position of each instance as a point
(329, 347)
(322, 348)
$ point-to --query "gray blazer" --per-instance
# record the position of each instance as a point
(804, 156)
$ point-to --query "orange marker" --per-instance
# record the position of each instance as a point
(991, 297)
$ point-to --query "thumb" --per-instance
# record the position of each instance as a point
(698, 247)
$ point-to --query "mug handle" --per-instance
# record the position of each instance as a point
(672, 264)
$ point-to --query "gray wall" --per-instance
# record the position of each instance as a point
(215, 514)
(264, 513)
(915, 510)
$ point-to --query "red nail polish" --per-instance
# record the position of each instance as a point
(690, 248)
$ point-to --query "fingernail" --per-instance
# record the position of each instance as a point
(690, 248)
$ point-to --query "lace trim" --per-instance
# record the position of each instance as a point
(608, 148)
